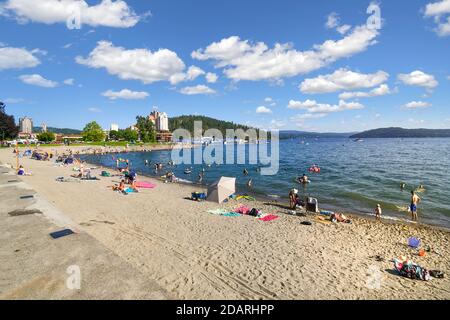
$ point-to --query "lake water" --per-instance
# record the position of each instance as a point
(354, 177)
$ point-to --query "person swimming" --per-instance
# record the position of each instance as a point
(245, 172)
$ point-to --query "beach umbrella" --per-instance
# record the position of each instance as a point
(221, 189)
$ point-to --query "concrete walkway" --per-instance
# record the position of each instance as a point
(35, 266)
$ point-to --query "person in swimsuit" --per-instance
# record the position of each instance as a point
(415, 199)
(378, 212)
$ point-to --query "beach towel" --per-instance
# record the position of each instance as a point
(269, 217)
(326, 213)
(248, 198)
(129, 190)
(231, 214)
(145, 185)
(219, 212)
(242, 210)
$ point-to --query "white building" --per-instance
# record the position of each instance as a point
(162, 122)
(44, 127)
(114, 127)
(26, 125)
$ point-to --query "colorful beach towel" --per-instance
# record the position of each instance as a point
(249, 198)
(242, 209)
(129, 190)
(145, 185)
(231, 214)
(269, 217)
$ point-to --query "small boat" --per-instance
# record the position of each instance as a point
(187, 171)
(358, 140)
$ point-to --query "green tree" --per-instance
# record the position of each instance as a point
(129, 135)
(93, 132)
(46, 137)
(146, 129)
(8, 127)
(114, 135)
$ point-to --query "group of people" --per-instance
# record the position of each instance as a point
(412, 208)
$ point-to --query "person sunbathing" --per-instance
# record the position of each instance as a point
(120, 187)
(22, 172)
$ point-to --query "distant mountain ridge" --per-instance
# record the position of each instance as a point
(58, 130)
(292, 134)
(395, 132)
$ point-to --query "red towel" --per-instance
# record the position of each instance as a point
(269, 217)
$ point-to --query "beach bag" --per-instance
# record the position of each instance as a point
(312, 205)
(198, 196)
(254, 212)
(106, 174)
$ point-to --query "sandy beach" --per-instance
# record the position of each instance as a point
(193, 254)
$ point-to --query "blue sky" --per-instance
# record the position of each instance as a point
(305, 65)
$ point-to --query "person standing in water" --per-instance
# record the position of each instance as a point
(415, 199)
(378, 212)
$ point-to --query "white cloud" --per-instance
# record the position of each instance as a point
(333, 22)
(417, 104)
(136, 64)
(268, 99)
(307, 116)
(38, 80)
(69, 82)
(263, 109)
(244, 60)
(125, 94)
(17, 58)
(95, 110)
(107, 13)
(200, 89)
(211, 77)
(438, 10)
(194, 72)
(418, 78)
(312, 106)
(382, 90)
(342, 79)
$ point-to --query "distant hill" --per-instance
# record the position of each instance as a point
(58, 130)
(403, 133)
(293, 134)
(187, 122)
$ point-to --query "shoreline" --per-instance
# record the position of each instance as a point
(263, 197)
(193, 254)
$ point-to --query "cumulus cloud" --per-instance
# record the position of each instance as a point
(136, 64)
(382, 90)
(211, 77)
(94, 110)
(342, 79)
(263, 109)
(417, 104)
(17, 58)
(312, 106)
(200, 89)
(244, 60)
(418, 78)
(107, 13)
(38, 80)
(194, 72)
(440, 12)
(125, 94)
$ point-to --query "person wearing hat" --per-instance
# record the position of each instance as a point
(293, 194)
(378, 212)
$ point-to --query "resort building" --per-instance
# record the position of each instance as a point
(161, 122)
(114, 127)
(44, 127)
(26, 125)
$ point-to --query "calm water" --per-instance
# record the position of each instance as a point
(355, 176)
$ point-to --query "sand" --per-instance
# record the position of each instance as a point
(196, 255)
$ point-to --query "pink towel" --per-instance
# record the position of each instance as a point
(269, 217)
(242, 210)
(145, 185)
